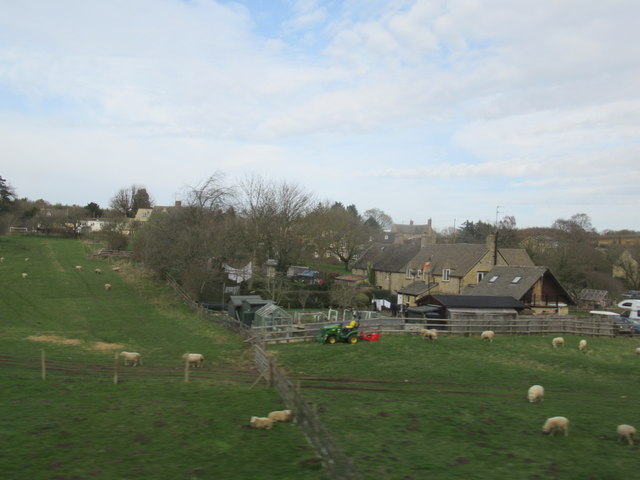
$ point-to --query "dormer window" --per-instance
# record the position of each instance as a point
(446, 274)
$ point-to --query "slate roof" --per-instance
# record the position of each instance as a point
(590, 295)
(387, 257)
(516, 257)
(504, 284)
(474, 301)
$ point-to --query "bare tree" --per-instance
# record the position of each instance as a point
(127, 201)
(384, 221)
(211, 194)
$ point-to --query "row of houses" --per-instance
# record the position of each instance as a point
(409, 263)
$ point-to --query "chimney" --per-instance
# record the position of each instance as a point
(492, 241)
(178, 203)
(410, 222)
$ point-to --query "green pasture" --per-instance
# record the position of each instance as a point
(79, 424)
(406, 408)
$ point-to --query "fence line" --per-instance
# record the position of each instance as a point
(337, 463)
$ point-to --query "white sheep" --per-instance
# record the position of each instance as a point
(637, 350)
(194, 359)
(1, 259)
(27, 259)
(280, 416)
(582, 346)
(107, 286)
(24, 275)
(131, 357)
(488, 335)
(556, 424)
(116, 269)
(557, 342)
(536, 393)
(626, 432)
(429, 333)
(262, 423)
(79, 267)
(98, 271)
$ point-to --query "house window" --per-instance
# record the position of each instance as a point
(446, 274)
(481, 275)
(409, 275)
(516, 280)
(419, 274)
(493, 279)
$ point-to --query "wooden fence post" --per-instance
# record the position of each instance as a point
(115, 369)
(43, 365)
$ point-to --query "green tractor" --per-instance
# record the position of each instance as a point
(337, 333)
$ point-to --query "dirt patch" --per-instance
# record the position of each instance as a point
(54, 339)
(100, 346)
(106, 346)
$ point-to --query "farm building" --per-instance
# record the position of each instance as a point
(244, 307)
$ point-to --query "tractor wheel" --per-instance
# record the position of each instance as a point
(331, 339)
(352, 339)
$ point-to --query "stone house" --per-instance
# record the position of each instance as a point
(417, 268)
(536, 287)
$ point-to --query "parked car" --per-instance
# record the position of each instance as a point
(626, 326)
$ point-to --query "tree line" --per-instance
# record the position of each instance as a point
(257, 220)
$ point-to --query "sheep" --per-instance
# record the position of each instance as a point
(280, 416)
(487, 335)
(429, 333)
(637, 350)
(98, 271)
(556, 424)
(536, 393)
(116, 269)
(1, 259)
(27, 259)
(79, 267)
(194, 359)
(262, 423)
(24, 275)
(107, 286)
(133, 357)
(557, 342)
(582, 346)
(626, 432)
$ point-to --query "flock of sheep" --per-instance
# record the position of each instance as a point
(134, 359)
(265, 423)
(536, 392)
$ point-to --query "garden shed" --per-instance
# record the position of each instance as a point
(271, 315)
(244, 307)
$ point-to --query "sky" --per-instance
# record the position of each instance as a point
(450, 110)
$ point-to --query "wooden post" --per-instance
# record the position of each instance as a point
(43, 365)
(270, 370)
(115, 369)
(186, 370)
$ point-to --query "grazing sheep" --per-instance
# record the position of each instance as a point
(107, 286)
(582, 346)
(27, 259)
(131, 357)
(536, 393)
(488, 335)
(262, 423)
(626, 432)
(194, 359)
(98, 271)
(556, 424)
(116, 269)
(429, 333)
(78, 267)
(24, 275)
(557, 342)
(281, 416)
(1, 259)
(637, 350)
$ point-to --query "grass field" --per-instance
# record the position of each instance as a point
(405, 408)
(77, 424)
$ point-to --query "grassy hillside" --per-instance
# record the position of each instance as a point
(405, 408)
(79, 424)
